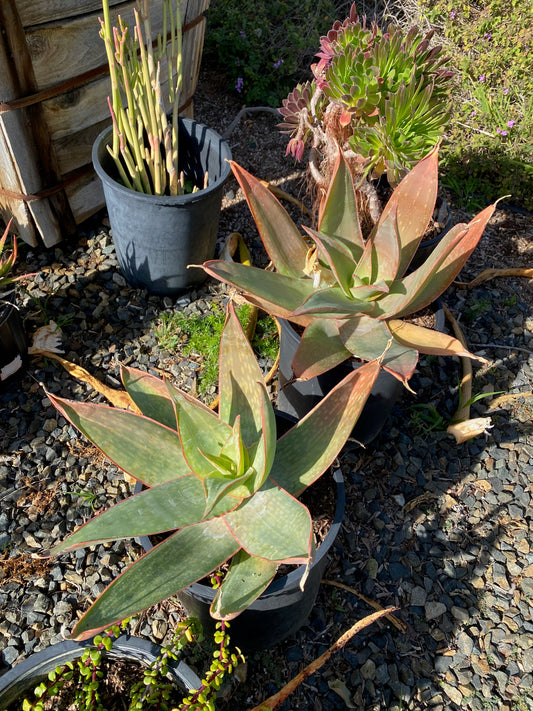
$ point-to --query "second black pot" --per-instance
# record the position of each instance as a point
(13, 341)
(283, 608)
(157, 237)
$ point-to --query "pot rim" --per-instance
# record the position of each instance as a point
(188, 198)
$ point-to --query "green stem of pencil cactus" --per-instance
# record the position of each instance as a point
(145, 144)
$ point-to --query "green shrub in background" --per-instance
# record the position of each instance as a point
(489, 152)
(264, 47)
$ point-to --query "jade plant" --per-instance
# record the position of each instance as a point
(145, 141)
(221, 487)
(381, 95)
(350, 293)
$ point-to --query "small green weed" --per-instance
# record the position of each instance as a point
(199, 335)
(476, 309)
(425, 418)
(90, 498)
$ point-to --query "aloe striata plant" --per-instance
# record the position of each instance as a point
(350, 293)
(221, 486)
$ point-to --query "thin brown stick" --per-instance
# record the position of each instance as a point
(390, 618)
(487, 274)
(315, 665)
(465, 386)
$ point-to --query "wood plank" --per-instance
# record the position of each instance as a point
(86, 197)
(60, 51)
(38, 12)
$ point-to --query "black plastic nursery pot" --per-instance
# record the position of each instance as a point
(13, 342)
(298, 398)
(283, 608)
(20, 680)
(157, 237)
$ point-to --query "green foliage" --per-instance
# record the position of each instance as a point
(489, 145)
(154, 690)
(7, 262)
(194, 334)
(264, 46)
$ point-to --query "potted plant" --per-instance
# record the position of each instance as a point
(382, 96)
(163, 176)
(221, 487)
(349, 293)
(13, 342)
(116, 666)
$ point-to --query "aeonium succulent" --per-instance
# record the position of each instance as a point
(351, 294)
(220, 486)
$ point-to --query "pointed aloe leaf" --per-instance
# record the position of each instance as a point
(224, 492)
(426, 340)
(385, 250)
(278, 294)
(180, 560)
(320, 349)
(152, 456)
(283, 242)
(261, 454)
(414, 200)
(427, 283)
(338, 258)
(273, 525)
(338, 210)
(305, 452)
(160, 508)
(332, 303)
(241, 387)
(150, 395)
(247, 578)
(200, 431)
(400, 361)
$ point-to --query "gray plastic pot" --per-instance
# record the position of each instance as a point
(157, 237)
(283, 608)
(13, 341)
(20, 680)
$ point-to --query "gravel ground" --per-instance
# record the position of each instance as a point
(442, 530)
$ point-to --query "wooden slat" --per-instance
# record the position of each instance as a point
(38, 12)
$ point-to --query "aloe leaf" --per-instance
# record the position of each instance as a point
(180, 560)
(338, 215)
(150, 395)
(414, 200)
(283, 242)
(309, 448)
(200, 431)
(111, 428)
(385, 250)
(338, 258)
(331, 302)
(241, 387)
(247, 578)
(427, 283)
(320, 349)
(278, 294)
(426, 340)
(273, 525)
(166, 507)
(365, 338)
(261, 455)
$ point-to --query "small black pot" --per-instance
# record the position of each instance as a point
(20, 680)
(13, 341)
(283, 608)
(298, 398)
(157, 237)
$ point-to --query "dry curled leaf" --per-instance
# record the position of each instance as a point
(340, 688)
(462, 431)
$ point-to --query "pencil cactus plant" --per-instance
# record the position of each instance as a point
(381, 95)
(222, 486)
(145, 141)
(351, 293)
